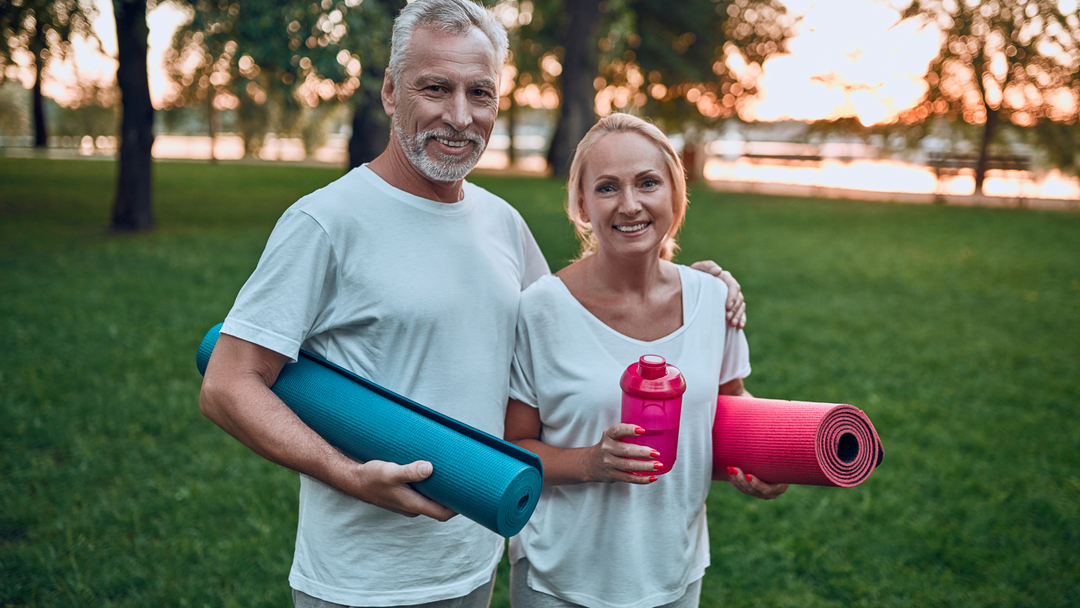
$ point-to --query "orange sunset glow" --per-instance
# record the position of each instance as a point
(846, 59)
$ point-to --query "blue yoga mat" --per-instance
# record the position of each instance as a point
(490, 481)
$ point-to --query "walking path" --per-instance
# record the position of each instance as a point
(775, 189)
(970, 200)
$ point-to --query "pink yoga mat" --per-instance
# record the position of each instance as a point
(816, 444)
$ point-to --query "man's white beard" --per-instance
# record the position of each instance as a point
(445, 168)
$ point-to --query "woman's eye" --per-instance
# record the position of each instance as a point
(605, 189)
(650, 183)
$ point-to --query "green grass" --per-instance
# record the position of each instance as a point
(957, 330)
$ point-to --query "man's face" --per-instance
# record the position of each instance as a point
(445, 102)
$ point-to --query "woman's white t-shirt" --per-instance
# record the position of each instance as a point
(620, 545)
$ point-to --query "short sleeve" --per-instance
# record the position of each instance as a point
(278, 305)
(736, 363)
(522, 372)
(535, 264)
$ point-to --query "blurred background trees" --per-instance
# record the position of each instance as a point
(685, 64)
(1002, 63)
(286, 67)
(44, 28)
(311, 69)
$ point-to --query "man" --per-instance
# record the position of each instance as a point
(405, 274)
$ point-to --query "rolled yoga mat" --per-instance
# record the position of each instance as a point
(817, 444)
(492, 482)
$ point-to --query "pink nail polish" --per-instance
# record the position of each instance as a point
(657, 465)
(749, 478)
(654, 454)
(652, 477)
(639, 431)
(731, 471)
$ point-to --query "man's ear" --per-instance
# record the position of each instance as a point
(388, 93)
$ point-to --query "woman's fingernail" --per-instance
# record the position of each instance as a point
(652, 477)
(639, 431)
(731, 471)
(749, 478)
(657, 465)
(654, 454)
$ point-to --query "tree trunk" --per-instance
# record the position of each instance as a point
(693, 155)
(370, 124)
(211, 120)
(511, 126)
(41, 137)
(579, 67)
(984, 149)
(132, 211)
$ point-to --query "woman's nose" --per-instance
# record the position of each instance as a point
(629, 204)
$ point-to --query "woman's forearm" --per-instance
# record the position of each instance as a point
(562, 466)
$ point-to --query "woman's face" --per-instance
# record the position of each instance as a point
(626, 194)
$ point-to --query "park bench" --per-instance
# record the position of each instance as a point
(948, 163)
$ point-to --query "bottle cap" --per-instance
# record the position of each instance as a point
(652, 367)
(652, 377)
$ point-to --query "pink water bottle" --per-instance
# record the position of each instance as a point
(652, 399)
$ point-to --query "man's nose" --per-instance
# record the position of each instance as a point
(456, 112)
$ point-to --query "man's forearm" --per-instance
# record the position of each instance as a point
(236, 396)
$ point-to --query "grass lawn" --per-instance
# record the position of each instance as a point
(956, 329)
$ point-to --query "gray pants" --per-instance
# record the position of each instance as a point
(478, 598)
(523, 596)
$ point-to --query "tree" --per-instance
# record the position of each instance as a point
(132, 208)
(687, 64)
(699, 60)
(1003, 62)
(44, 28)
(577, 36)
(274, 63)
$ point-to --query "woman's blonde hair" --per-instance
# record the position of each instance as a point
(625, 123)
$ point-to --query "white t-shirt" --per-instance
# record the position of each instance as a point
(620, 545)
(420, 297)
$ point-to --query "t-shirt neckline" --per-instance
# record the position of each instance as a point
(690, 305)
(419, 202)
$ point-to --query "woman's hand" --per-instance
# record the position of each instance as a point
(610, 459)
(736, 304)
(752, 486)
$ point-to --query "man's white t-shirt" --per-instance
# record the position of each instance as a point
(620, 545)
(420, 297)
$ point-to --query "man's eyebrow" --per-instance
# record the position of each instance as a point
(439, 80)
(483, 83)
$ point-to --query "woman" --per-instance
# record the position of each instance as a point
(600, 536)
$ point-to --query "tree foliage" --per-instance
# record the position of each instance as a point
(280, 65)
(685, 64)
(45, 29)
(1004, 62)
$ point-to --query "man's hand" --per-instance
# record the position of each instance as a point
(736, 304)
(384, 484)
(236, 396)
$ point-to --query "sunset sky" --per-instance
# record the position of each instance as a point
(847, 59)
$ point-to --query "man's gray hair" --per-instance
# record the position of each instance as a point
(450, 16)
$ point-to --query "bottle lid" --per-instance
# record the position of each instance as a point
(651, 376)
(652, 367)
